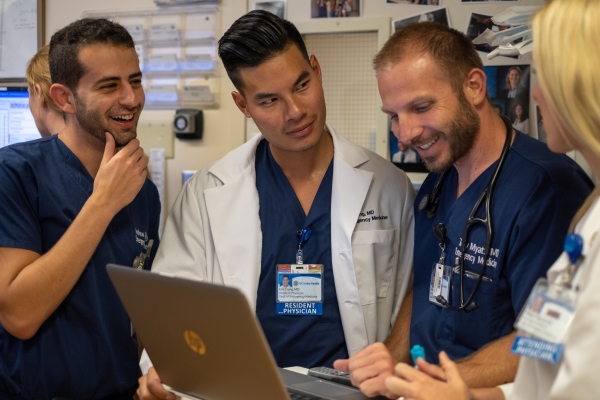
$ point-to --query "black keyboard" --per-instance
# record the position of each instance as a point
(295, 395)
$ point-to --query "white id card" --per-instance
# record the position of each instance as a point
(440, 283)
(544, 321)
(299, 289)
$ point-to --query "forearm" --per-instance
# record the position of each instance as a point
(398, 342)
(492, 365)
(34, 291)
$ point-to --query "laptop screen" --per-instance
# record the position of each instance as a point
(16, 121)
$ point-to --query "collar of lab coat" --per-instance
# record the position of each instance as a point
(235, 224)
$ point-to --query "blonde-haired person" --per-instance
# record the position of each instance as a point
(48, 117)
(567, 94)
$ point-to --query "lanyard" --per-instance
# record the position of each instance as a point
(303, 236)
(573, 247)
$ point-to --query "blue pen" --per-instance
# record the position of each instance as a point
(417, 352)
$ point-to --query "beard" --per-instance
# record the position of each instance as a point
(463, 131)
(94, 123)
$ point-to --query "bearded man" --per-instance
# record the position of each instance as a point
(71, 204)
(471, 279)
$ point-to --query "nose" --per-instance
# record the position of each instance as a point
(129, 96)
(294, 109)
(406, 129)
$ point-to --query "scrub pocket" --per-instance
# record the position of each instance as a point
(476, 328)
(374, 254)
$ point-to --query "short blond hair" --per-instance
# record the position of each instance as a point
(565, 50)
(38, 73)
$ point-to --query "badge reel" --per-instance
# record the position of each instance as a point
(440, 273)
(549, 310)
(299, 287)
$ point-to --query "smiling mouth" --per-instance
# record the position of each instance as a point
(123, 118)
(426, 145)
(302, 128)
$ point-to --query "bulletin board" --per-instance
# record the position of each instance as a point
(345, 50)
(21, 35)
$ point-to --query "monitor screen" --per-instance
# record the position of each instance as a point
(16, 121)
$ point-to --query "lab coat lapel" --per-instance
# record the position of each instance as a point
(349, 190)
(233, 213)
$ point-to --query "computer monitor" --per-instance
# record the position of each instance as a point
(16, 121)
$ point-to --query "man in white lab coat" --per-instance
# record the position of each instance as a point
(239, 221)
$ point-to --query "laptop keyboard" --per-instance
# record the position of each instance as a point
(295, 395)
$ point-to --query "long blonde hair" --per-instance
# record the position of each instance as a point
(566, 52)
(38, 72)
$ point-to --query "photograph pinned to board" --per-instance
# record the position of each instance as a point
(335, 8)
(403, 156)
(478, 23)
(418, 2)
(489, 1)
(541, 133)
(275, 7)
(509, 88)
(440, 16)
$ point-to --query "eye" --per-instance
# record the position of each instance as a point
(269, 101)
(303, 85)
(109, 86)
(422, 108)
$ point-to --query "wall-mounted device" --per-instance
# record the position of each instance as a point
(188, 124)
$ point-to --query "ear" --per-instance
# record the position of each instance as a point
(241, 103)
(475, 86)
(314, 64)
(63, 97)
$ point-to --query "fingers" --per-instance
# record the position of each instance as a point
(151, 388)
(432, 370)
(109, 148)
(397, 387)
(341, 365)
(369, 368)
(449, 367)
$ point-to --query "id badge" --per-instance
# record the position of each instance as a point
(299, 289)
(544, 321)
(440, 283)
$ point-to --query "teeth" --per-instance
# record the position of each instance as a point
(427, 145)
(123, 117)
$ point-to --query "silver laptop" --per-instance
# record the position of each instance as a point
(205, 341)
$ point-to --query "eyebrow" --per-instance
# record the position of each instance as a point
(262, 96)
(412, 103)
(116, 78)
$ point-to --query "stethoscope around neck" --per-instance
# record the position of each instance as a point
(430, 204)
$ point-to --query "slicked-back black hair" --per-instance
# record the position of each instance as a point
(65, 45)
(254, 38)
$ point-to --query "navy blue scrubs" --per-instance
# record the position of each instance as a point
(84, 350)
(306, 341)
(534, 200)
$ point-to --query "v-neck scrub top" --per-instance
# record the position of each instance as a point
(84, 350)
(536, 196)
(306, 341)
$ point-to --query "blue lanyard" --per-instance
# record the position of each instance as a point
(573, 247)
(303, 236)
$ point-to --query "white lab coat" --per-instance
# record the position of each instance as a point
(576, 375)
(213, 234)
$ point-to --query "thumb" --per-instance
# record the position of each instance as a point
(449, 367)
(109, 148)
(341, 365)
